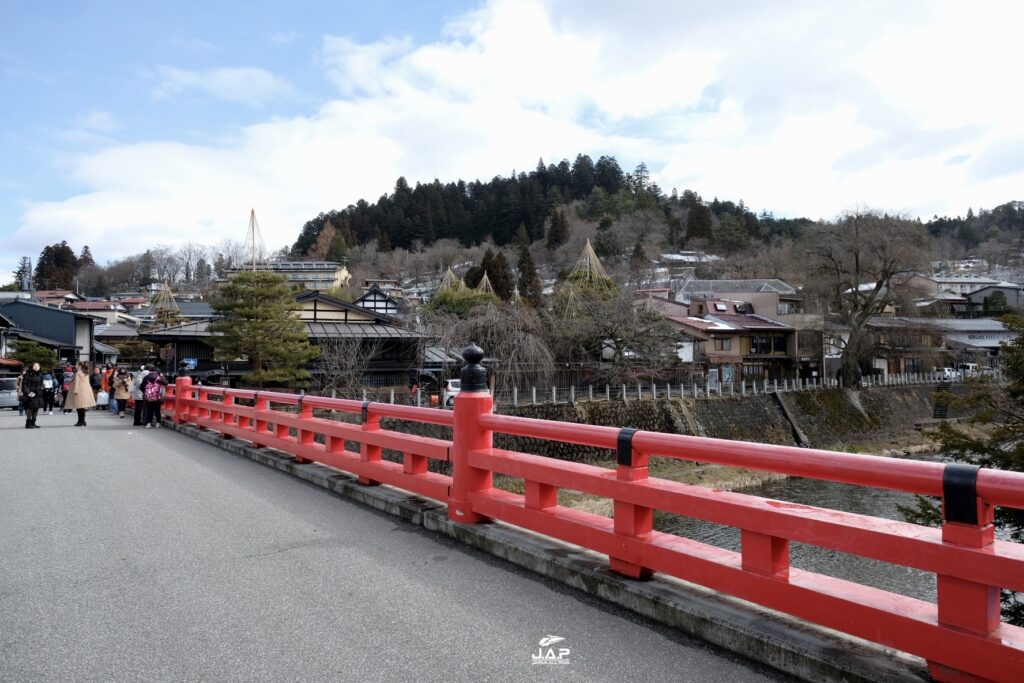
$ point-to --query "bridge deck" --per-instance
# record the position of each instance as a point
(141, 554)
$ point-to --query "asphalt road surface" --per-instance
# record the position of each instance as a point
(131, 554)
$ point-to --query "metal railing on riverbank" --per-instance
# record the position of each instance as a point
(695, 388)
(959, 635)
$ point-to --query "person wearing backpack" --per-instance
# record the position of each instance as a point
(49, 392)
(152, 392)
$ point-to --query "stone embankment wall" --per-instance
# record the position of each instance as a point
(846, 420)
(831, 419)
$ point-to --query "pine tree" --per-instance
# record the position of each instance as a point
(23, 275)
(522, 237)
(558, 231)
(500, 276)
(608, 174)
(589, 277)
(732, 234)
(638, 259)
(56, 267)
(260, 325)
(582, 176)
(607, 245)
(530, 287)
(85, 258)
(641, 178)
(166, 311)
(698, 223)
(484, 287)
(338, 249)
(451, 281)
(473, 276)
(29, 352)
(203, 272)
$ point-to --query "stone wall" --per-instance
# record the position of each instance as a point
(841, 418)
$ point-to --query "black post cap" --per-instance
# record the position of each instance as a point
(473, 376)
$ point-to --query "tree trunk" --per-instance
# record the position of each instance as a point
(849, 369)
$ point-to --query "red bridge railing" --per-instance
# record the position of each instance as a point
(961, 635)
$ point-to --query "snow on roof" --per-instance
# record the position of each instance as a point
(749, 285)
(689, 257)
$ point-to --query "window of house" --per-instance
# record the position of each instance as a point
(754, 371)
(778, 344)
(761, 344)
(720, 307)
(723, 344)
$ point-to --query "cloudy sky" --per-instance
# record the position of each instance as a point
(124, 126)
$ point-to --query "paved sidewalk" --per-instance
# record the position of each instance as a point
(130, 554)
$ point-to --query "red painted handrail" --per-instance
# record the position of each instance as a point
(960, 635)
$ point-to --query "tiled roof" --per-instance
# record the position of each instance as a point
(736, 286)
(749, 322)
(332, 330)
(115, 330)
(96, 306)
(189, 309)
(315, 330)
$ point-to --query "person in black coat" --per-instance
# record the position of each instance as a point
(32, 395)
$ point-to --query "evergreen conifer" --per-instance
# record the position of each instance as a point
(260, 325)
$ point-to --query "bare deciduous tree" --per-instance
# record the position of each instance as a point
(189, 255)
(343, 363)
(167, 265)
(862, 262)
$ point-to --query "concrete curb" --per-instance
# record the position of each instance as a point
(803, 650)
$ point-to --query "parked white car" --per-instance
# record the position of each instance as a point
(451, 389)
(9, 392)
(950, 375)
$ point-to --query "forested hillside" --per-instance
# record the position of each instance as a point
(471, 212)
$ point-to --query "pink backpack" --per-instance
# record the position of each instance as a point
(152, 392)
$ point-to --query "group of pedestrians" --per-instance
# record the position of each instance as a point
(79, 390)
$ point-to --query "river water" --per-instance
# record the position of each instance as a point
(845, 497)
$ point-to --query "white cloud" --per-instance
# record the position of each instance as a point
(283, 38)
(804, 111)
(246, 85)
(192, 45)
(98, 121)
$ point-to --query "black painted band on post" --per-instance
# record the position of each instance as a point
(366, 408)
(625, 446)
(301, 399)
(960, 493)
